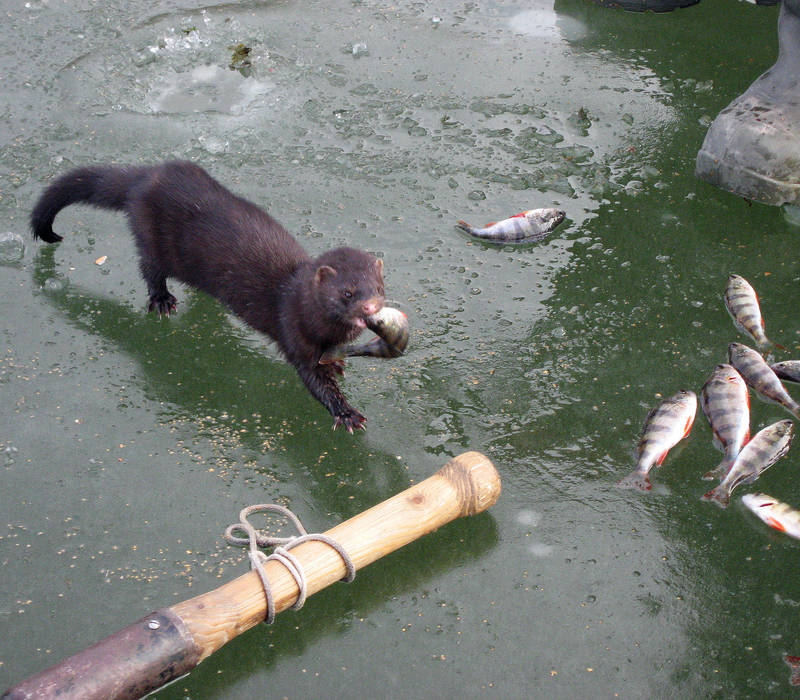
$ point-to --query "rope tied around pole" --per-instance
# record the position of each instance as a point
(282, 545)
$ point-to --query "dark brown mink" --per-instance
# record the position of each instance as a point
(188, 226)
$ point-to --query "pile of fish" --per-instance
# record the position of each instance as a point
(725, 402)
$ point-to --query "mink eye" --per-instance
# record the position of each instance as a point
(347, 294)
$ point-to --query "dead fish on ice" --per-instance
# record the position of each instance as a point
(531, 225)
(766, 448)
(788, 370)
(726, 404)
(759, 375)
(391, 327)
(665, 426)
(777, 514)
(741, 301)
(793, 662)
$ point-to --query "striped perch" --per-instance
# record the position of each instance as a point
(391, 327)
(665, 426)
(789, 370)
(766, 448)
(741, 301)
(777, 514)
(760, 377)
(726, 404)
(528, 226)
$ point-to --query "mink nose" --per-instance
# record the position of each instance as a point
(371, 306)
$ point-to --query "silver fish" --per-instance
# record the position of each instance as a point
(726, 404)
(741, 301)
(665, 426)
(793, 662)
(391, 327)
(788, 370)
(777, 514)
(760, 377)
(766, 448)
(531, 225)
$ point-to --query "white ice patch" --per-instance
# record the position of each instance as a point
(540, 549)
(208, 88)
(545, 23)
(530, 518)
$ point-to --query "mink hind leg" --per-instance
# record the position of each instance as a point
(145, 235)
(160, 298)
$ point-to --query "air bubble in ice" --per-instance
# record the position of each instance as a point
(12, 248)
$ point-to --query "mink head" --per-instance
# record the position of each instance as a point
(348, 288)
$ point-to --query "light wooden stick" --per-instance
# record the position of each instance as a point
(170, 642)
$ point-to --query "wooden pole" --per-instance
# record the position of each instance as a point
(170, 642)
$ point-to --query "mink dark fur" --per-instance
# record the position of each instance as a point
(188, 226)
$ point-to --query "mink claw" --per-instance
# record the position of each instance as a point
(350, 422)
(163, 305)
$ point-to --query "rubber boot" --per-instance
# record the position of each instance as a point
(753, 146)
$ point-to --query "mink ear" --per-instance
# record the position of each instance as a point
(323, 272)
(379, 266)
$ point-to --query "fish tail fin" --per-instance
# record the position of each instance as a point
(766, 345)
(718, 496)
(636, 480)
(719, 471)
(464, 226)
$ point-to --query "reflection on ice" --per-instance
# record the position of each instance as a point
(544, 23)
(208, 88)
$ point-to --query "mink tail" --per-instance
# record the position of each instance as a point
(105, 186)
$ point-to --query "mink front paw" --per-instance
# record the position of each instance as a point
(163, 304)
(351, 420)
(338, 366)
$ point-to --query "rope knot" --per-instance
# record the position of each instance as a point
(280, 553)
